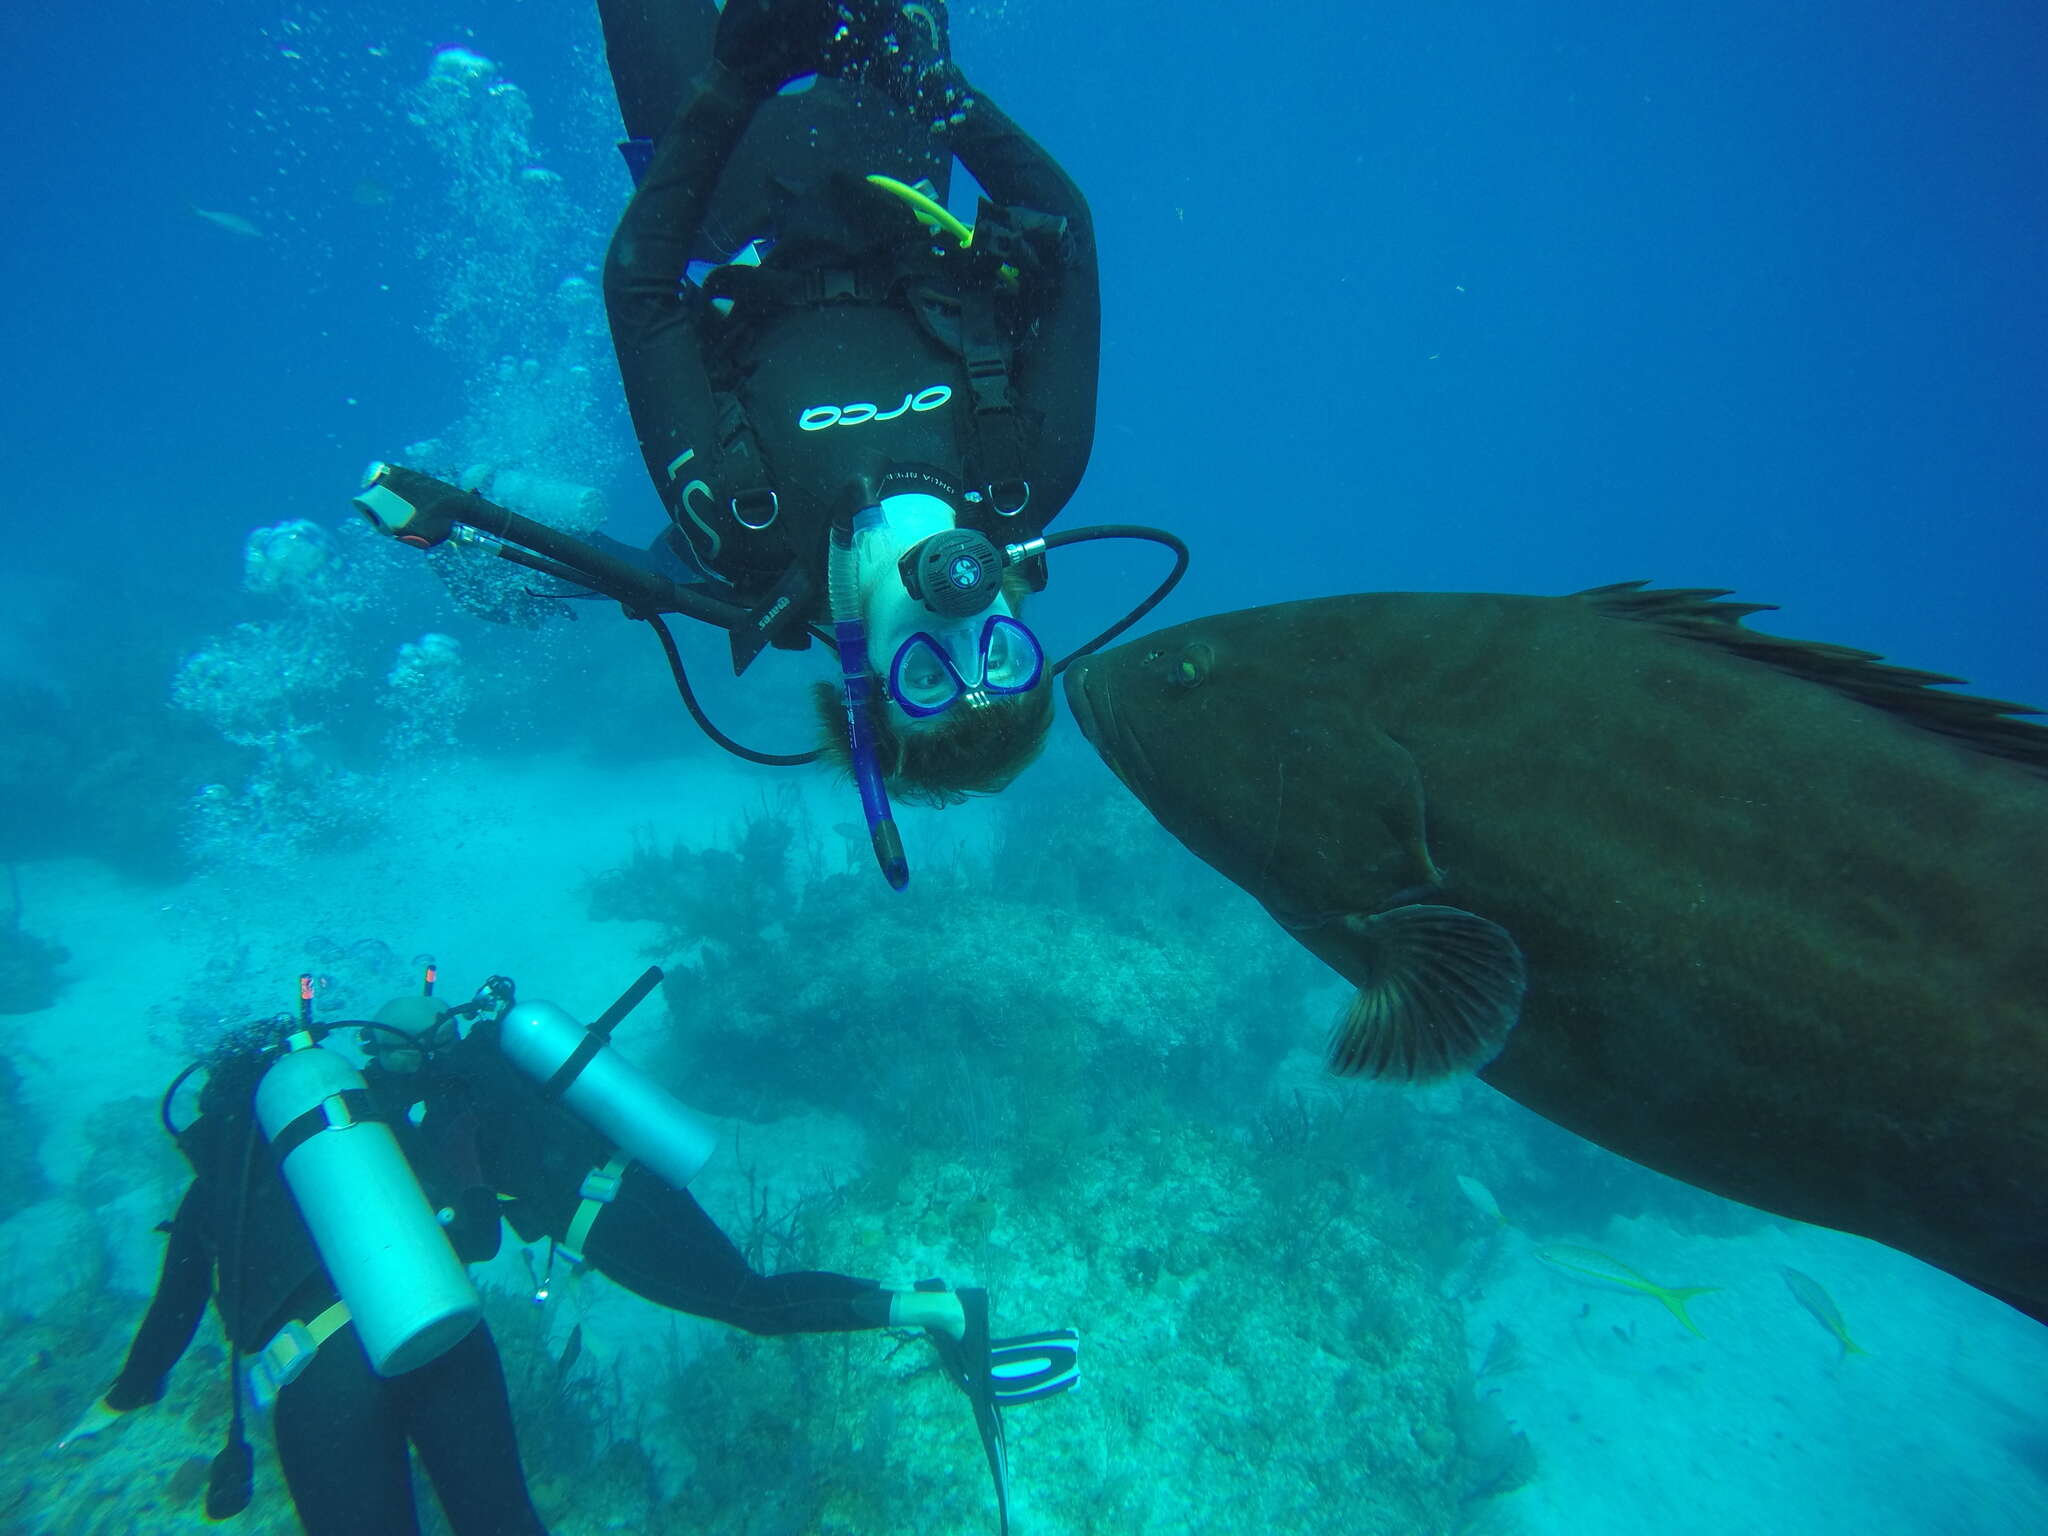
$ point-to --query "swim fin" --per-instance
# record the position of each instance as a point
(1003, 1373)
(966, 1360)
(1034, 1366)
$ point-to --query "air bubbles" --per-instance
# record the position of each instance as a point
(461, 64)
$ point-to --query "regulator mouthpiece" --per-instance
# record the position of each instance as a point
(956, 574)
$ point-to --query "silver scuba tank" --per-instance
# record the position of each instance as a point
(407, 1292)
(639, 1116)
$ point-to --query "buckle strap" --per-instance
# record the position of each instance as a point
(330, 1322)
(600, 1189)
(291, 1349)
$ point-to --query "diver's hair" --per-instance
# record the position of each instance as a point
(968, 752)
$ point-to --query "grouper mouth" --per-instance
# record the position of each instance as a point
(1082, 707)
(1088, 697)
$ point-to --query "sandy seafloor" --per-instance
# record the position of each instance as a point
(1637, 1426)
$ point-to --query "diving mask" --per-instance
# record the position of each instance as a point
(936, 668)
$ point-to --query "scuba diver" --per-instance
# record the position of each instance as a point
(860, 413)
(333, 1211)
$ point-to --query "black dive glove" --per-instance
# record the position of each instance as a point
(765, 44)
(902, 50)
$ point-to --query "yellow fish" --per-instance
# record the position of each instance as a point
(1591, 1264)
(1808, 1293)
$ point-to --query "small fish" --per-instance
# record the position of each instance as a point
(1808, 1293)
(1591, 1264)
(233, 223)
(1482, 1199)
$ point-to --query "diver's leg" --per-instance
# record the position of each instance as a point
(459, 1416)
(659, 1242)
(655, 48)
(343, 1448)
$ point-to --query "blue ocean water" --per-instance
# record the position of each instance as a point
(1441, 297)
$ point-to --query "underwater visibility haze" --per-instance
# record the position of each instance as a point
(1416, 319)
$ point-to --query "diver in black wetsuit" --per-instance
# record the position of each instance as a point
(803, 332)
(483, 1138)
(861, 415)
(341, 1429)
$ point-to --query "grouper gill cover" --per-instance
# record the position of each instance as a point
(1759, 913)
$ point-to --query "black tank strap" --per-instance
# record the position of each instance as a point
(356, 1107)
(573, 1064)
(999, 450)
(598, 1035)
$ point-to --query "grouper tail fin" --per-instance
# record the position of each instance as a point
(1444, 989)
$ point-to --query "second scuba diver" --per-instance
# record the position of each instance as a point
(860, 414)
(332, 1213)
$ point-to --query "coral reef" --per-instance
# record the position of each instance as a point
(96, 769)
(1206, 1352)
(145, 1474)
(583, 1441)
(1055, 1090)
(31, 968)
(724, 897)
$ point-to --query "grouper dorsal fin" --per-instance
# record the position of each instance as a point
(1696, 613)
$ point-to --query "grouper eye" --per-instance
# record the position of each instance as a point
(1191, 667)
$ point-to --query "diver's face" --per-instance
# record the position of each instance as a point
(930, 666)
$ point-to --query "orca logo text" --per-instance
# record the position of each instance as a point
(816, 418)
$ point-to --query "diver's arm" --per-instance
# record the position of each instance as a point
(1056, 371)
(174, 1312)
(1013, 167)
(655, 48)
(655, 323)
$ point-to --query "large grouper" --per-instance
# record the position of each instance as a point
(1763, 914)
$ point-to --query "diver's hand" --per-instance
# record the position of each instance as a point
(768, 43)
(903, 50)
(90, 1423)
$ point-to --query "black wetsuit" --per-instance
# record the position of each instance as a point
(485, 1131)
(851, 356)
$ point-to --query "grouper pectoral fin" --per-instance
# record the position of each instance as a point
(1443, 989)
(1390, 777)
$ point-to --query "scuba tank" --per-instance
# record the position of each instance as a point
(406, 1291)
(585, 1071)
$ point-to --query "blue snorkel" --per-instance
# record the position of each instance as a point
(850, 635)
